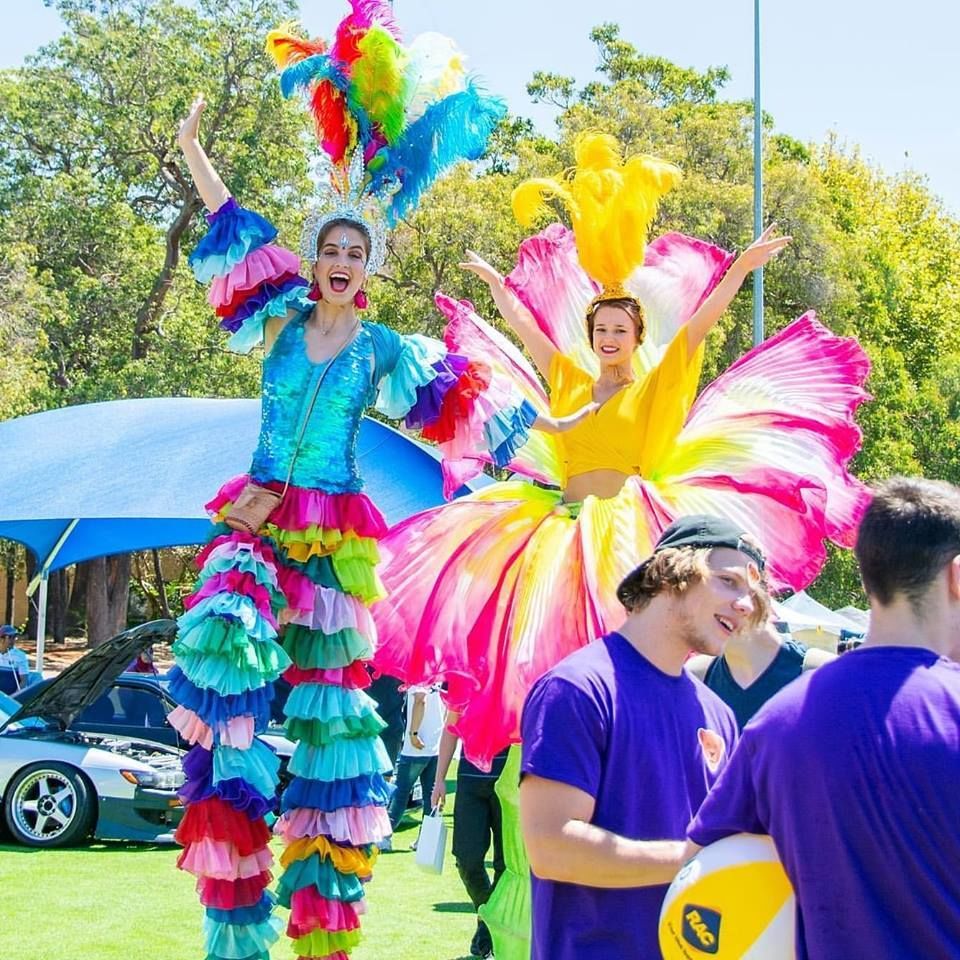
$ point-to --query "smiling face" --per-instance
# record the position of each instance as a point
(614, 335)
(721, 604)
(341, 266)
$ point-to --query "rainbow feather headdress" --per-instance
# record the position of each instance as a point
(611, 202)
(390, 118)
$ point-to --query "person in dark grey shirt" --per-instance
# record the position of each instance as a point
(757, 663)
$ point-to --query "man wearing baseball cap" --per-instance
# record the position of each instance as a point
(620, 746)
(11, 658)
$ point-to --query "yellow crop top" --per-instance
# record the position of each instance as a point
(631, 431)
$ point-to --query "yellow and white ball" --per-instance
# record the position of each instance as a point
(732, 901)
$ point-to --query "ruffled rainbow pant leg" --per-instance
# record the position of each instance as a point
(334, 809)
(227, 659)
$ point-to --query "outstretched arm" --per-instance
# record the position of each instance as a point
(520, 319)
(711, 310)
(562, 424)
(208, 183)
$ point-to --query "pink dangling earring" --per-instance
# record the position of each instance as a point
(314, 292)
(360, 300)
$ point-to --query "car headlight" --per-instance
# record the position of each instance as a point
(140, 778)
(160, 780)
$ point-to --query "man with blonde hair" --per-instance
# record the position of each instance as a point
(620, 746)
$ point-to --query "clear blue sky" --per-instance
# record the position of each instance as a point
(883, 74)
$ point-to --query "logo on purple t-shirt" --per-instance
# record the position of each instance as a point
(714, 748)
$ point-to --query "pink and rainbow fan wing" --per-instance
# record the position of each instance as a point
(768, 443)
(550, 282)
(677, 275)
(468, 334)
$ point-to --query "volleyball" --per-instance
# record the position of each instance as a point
(732, 901)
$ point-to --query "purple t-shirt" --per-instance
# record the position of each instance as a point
(647, 746)
(854, 770)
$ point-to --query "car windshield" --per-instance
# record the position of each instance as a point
(8, 707)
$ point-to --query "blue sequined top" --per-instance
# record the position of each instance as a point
(328, 454)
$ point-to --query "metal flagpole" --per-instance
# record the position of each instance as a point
(757, 177)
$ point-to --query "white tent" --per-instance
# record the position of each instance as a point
(814, 624)
(858, 616)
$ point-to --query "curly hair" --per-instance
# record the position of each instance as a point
(674, 569)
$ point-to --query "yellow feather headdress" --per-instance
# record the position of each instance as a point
(611, 202)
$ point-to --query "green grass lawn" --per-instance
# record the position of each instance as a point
(127, 901)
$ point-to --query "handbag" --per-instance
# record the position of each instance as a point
(432, 842)
(255, 503)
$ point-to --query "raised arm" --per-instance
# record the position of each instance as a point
(207, 181)
(255, 286)
(712, 309)
(521, 321)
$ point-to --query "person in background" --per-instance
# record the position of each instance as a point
(418, 755)
(477, 823)
(143, 662)
(11, 657)
(853, 768)
(385, 690)
(757, 662)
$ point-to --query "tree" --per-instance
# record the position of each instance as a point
(97, 207)
(23, 379)
(91, 177)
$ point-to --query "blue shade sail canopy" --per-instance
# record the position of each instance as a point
(135, 474)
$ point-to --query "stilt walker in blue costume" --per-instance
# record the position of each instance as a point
(287, 576)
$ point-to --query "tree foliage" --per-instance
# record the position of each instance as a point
(91, 178)
(97, 210)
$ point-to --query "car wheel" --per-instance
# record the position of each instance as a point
(48, 805)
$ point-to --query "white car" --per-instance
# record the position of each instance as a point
(58, 786)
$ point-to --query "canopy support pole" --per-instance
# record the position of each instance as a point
(42, 580)
(41, 621)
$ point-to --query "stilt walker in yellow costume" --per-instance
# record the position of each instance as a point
(490, 591)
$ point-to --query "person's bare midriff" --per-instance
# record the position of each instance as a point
(600, 483)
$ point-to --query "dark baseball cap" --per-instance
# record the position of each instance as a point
(703, 530)
(696, 531)
(9, 631)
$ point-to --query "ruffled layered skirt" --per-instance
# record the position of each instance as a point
(291, 601)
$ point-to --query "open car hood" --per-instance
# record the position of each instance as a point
(90, 676)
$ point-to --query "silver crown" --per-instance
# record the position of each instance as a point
(341, 196)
